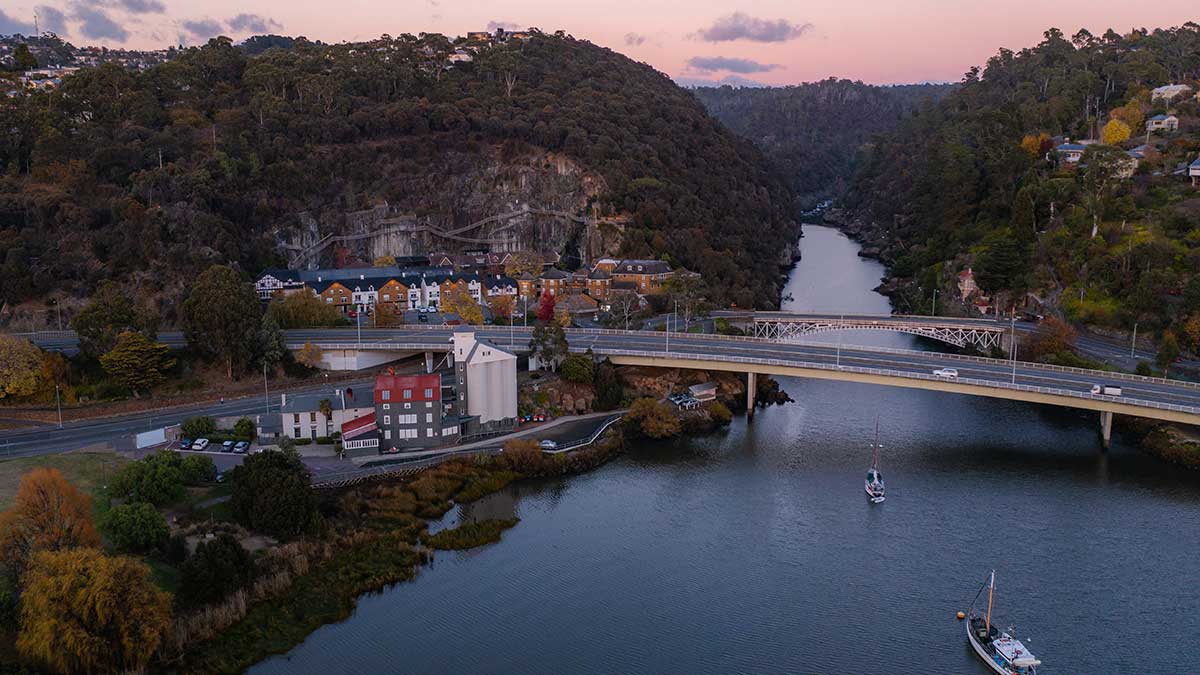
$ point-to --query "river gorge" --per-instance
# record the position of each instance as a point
(754, 550)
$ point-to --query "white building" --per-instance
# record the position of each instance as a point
(1169, 92)
(301, 416)
(487, 383)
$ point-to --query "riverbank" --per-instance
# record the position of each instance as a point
(381, 539)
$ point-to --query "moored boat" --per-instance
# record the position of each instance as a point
(874, 481)
(1002, 652)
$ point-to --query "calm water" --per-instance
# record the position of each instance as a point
(754, 551)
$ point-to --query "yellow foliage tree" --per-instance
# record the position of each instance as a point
(48, 514)
(302, 310)
(523, 261)
(385, 261)
(1033, 144)
(85, 612)
(1115, 132)
(457, 299)
(309, 355)
(20, 367)
(1130, 113)
(502, 306)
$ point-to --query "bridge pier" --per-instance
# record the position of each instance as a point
(1106, 419)
(751, 389)
(428, 362)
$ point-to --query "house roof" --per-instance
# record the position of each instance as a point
(599, 274)
(281, 274)
(1071, 147)
(499, 281)
(301, 403)
(358, 426)
(1195, 163)
(554, 273)
(578, 302)
(1160, 118)
(643, 267)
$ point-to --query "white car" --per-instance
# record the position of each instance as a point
(548, 445)
(200, 444)
(946, 373)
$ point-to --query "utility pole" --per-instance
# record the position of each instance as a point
(1133, 343)
(1014, 347)
(841, 320)
(58, 402)
(933, 312)
(266, 392)
(358, 324)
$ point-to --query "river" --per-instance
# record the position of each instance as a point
(755, 551)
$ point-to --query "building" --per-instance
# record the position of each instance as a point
(553, 281)
(301, 416)
(705, 391)
(1194, 171)
(486, 381)
(966, 283)
(1162, 123)
(273, 282)
(647, 275)
(411, 412)
(1169, 92)
(599, 282)
(1070, 152)
(578, 304)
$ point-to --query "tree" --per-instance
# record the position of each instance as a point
(220, 317)
(624, 306)
(48, 514)
(720, 413)
(303, 310)
(310, 355)
(457, 299)
(135, 527)
(157, 479)
(609, 392)
(1001, 265)
(272, 495)
(109, 312)
(548, 344)
(20, 368)
(198, 427)
(523, 262)
(502, 306)
(545, 312)
(272, 349)
(686, 291)
(197, 469)
(1168, 351)
(24, 59)
(219, 567)
(83, 611)
(1130, 114)
(136, 362)
(1115, 132)
(1191, 330)
(653, 419)
(578, 368)
(244, 429)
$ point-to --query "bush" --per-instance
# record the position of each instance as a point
(156, 479)
(470, 535)
(197, 469)
(244, 429)
(298, 441)
(272, 495)
(176, 549)
(653, 419)
(578, 368)
(219, 567)
(324, 440)
(198, 427)
(135, 528)
(720, 413)
(609, 392)
(1144, 368)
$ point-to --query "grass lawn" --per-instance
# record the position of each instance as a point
(85, 470)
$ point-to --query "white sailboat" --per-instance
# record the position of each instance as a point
(874, 482)
(1002, 652)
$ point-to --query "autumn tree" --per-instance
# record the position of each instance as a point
(502, 306)
(221, 317)
(85, 612)
(545, 312)
(1129, 114)
(523, 262)
(310, 355)
(457, 299)
(136, 362)
(20, 367)
(1168, 351)
(48, 514)
(1036, 145)
(302, 310)
(384, 261)
(1115, 132)
(653, 419)
(109, 312)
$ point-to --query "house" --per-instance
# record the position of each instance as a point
(553, 281)
(1162, 123)
(1194, 171)
(300, 416)
(498, 284)
(1070, 153)
(966, 283)
(606, 265)
(527, 285)
(579, 304)
(333, 293)
(706, 391)
(598, 284)
(274, 282)
(1169, 92)
(411, 413)
(648, 275)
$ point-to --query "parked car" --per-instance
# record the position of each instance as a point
(352, 314)
(185, 444)
(1106, 389)
(946, 373)
(422, 318)
(539, 418)
(241, 447)
(548, 445)
(200, 444)
(227, 446)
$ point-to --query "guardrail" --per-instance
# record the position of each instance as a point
(585, 441)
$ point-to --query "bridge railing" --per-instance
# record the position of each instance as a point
(494, 333)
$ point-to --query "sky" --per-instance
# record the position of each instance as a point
(772, 42)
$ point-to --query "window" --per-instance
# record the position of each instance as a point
(428, 393)
(328, 300)
(387, 420)
(296, 432)
(387, 406)
(429, 418)
(312, 418)
(387, 395)
(408, 406)
(387, 296)
(296, 418)
(408, 393)
(429, 433)
(387, 434)
(428, 404)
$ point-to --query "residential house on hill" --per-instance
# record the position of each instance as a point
(1162, 123)
(553, 281)
(1169, 92)
(1070, 153)
(1194, 171)
(648, 275)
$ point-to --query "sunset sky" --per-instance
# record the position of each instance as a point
(764, 41)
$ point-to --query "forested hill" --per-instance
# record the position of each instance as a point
(812, 132)
(976, 181)
(150, 177)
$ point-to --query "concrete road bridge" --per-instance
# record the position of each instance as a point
(1154, 398)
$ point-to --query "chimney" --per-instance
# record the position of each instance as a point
(282, 400)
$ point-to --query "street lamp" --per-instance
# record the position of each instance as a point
(1133, 343)
(58, 402)
(266, 392)
(933, 312)
(1014, 347)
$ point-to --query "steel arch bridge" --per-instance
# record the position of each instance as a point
(982, 337)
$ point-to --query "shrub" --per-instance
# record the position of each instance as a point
(299, 441)
(137, 527)
(156, 479)
(219, 567)
(578, 368)
(272, 494)
(609, 391)
(1144, 368)
(197, 469)
(324, 440)
(244, 429)
(653, 419)
(176, 549)
(198, 427)
(720, 413)
(470, 535)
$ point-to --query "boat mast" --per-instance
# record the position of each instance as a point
(875, 447)
(991, 587)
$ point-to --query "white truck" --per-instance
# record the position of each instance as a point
(1106, 389)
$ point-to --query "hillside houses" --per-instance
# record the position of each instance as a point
(1169, 123)
(1169, 92)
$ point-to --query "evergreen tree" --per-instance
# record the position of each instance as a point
(136, 362)
(221, 317)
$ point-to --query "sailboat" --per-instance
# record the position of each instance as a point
(1003, 653)
(874, 482)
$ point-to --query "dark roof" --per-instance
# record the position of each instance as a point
(624, 286)
(499, 281)
(1159, 118)
(281, 274)
(554, 273)
(599, 274)
(1068, 147)
(643, 267)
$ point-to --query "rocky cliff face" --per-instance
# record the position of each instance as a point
(493, 199)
